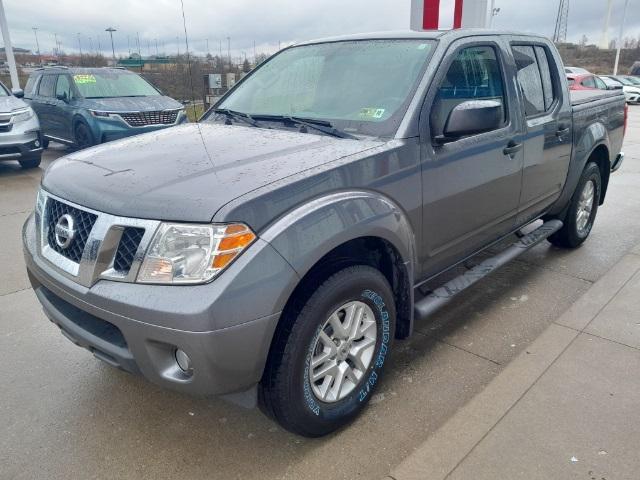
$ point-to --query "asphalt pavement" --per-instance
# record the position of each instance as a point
(65, 415)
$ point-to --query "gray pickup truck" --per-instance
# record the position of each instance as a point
(272, 252)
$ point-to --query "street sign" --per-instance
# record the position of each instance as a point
(215, 80)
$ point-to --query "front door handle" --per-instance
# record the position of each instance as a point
(512, 148)
(562, 131)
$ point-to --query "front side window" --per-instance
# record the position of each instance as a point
(529, 79)
(474, 74)
(361, 86)
(599, 83)
(112, 84)
(63, 87)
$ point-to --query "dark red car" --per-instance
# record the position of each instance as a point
(586, 81)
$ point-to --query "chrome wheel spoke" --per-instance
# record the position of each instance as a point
(343, 351)
(585, 207)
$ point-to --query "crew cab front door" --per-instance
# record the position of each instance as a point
(471, 186)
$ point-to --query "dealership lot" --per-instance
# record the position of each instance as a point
(66, 415)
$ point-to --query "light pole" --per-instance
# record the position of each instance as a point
(113, 50)
(624, 16)
(55, 36)
(35, 32)
(80, 47)
(229, 51)
(8, 49)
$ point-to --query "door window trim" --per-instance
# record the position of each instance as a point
(555, 81)
(441, 72)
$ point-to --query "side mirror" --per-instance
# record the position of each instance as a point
(472, 117)
(62, 96)
(18, 93)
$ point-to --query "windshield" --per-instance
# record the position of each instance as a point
(358, 86)
(624, 81)
(112, 84)
(633, 80)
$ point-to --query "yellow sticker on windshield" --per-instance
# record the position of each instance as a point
(372, 112)
(84, 78)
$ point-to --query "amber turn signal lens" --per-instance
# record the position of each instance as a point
(236, 241)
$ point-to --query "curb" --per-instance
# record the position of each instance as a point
(447, 448)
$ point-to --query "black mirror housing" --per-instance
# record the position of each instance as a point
(472, 117)
(62, 96)
(18, 93)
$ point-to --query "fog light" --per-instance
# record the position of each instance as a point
(183, 361)
(37, 143)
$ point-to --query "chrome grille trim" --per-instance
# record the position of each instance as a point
(97, 261)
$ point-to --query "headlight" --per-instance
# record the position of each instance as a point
(190, 253)
(97, 113)
(22, 115)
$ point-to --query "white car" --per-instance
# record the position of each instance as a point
(631, 90)
(575, 70)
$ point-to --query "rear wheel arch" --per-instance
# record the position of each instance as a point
(601, 157)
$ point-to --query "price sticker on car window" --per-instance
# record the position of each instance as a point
(372, 112)
(84, 78)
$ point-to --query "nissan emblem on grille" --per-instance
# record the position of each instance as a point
(64, 231)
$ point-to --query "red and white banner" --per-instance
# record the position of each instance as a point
(443, 14)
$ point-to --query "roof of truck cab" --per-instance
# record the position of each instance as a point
(427, 35)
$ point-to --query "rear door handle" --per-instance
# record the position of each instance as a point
(512, 148)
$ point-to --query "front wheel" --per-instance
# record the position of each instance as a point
(83, 136)
(326, 369)
(32, 162)
(582, 210)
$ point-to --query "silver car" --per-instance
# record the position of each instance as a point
(20, 135)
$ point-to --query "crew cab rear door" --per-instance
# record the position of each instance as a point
(548, 126)
(471, 186)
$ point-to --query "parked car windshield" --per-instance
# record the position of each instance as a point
(624, 81)
(360, 86)
(112, 84)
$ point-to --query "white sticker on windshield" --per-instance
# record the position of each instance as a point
(372, 112)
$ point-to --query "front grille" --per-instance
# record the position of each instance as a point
(127, 249)
(6, 127)
(83, 223)
(158, 117)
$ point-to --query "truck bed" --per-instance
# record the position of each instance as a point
(580, 97)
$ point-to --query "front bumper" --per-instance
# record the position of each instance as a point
(23, 140)
(139, 327)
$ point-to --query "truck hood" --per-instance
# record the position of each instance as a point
(132, 104)
(10, 103)
(187, 172)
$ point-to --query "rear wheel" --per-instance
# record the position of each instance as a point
(83, 136)
(324, 372)
(32, 162)
(582, 210)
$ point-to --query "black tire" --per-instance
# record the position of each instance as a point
(570, 236)
(32, 162)
(83, 138)
(286, 393)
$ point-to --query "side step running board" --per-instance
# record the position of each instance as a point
(442, 295)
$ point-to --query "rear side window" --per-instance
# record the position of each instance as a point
(600, 84)
(30, 87)
(589, 82)
(529, 79)
(47, 86)
(545, 74)
(473, 75)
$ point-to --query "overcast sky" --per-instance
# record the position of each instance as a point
(266, 22)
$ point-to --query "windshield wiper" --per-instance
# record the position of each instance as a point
(232, 114)
(314, 123)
